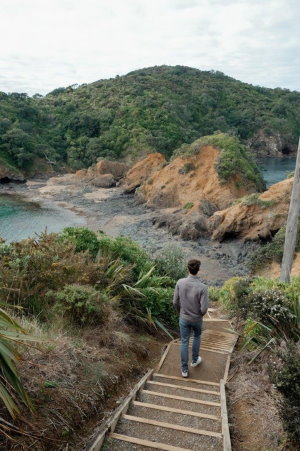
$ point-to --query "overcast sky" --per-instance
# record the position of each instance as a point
(46, 44)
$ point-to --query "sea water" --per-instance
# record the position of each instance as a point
(276, 169)
(20, 219)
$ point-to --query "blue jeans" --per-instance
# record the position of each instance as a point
(185, 331)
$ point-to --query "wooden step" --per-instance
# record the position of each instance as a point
(166, 416)
(195, 381)
(148, 430)
(148, 443)
(172, 409)
(182, 387)
(175, 427)
(181, 398)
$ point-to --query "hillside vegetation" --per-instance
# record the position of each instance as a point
(152, 109)
(92, 305)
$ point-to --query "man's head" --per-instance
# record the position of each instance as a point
(194, 266)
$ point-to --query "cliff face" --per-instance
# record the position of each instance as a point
(189, 180)
(193, 201)
(255, 217)
(187, 191)
(275, 145)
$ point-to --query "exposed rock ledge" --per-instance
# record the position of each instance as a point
(193, 203)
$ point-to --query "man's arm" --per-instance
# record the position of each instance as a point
(176, 299)
(204, 301)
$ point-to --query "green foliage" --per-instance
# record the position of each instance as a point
(55, 274)
(254, 199)
(84, 239)
(171, 262)
(157, 108)
(127, 251)
(271, 304)
(286, 377)
(188, 205)
(81, 304)
(235, 159)
(272, 251)
(11, 334)
(186, 168)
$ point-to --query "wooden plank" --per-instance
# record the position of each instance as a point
(214, 350)
(205, 348)
(164, 355)
(112, 421)
(207, 320)
(149, 443)
(175, 427)
(173, 410)
(195, 381)
(182, 398)
(183, 387)
(226, 369)
(224, 416)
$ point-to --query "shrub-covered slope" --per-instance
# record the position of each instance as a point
(156, 108)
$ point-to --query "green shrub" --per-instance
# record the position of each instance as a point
(84, 239)
(186, 168)
(188, 205)
(254, 199)
(286, 378)
(127, 251)
(171, 262)
(80, 304)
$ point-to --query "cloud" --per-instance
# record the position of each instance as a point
(45, 44)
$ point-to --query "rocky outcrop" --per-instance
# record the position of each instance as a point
(103, 174)
(10, 174)
(187, 191)
(275, 145)
(142, 171)
(186, 182)
(256, 217)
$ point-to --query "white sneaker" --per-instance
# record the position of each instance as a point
(184, 373)
(198, 361)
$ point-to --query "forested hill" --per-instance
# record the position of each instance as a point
(156, 108)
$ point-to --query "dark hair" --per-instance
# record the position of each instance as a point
(194, 266)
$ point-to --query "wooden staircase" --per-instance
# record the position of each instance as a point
(167, 412)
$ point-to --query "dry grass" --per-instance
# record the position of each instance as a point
(70, 377)
(253, 406)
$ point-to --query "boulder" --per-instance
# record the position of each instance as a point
(118, 170)
(104, 181)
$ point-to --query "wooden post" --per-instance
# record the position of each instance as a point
(291, 225)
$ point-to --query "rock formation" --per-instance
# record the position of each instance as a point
(255, 217)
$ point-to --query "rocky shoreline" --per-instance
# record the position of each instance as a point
(117, 213)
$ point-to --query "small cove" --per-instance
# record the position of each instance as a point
(21, 219)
